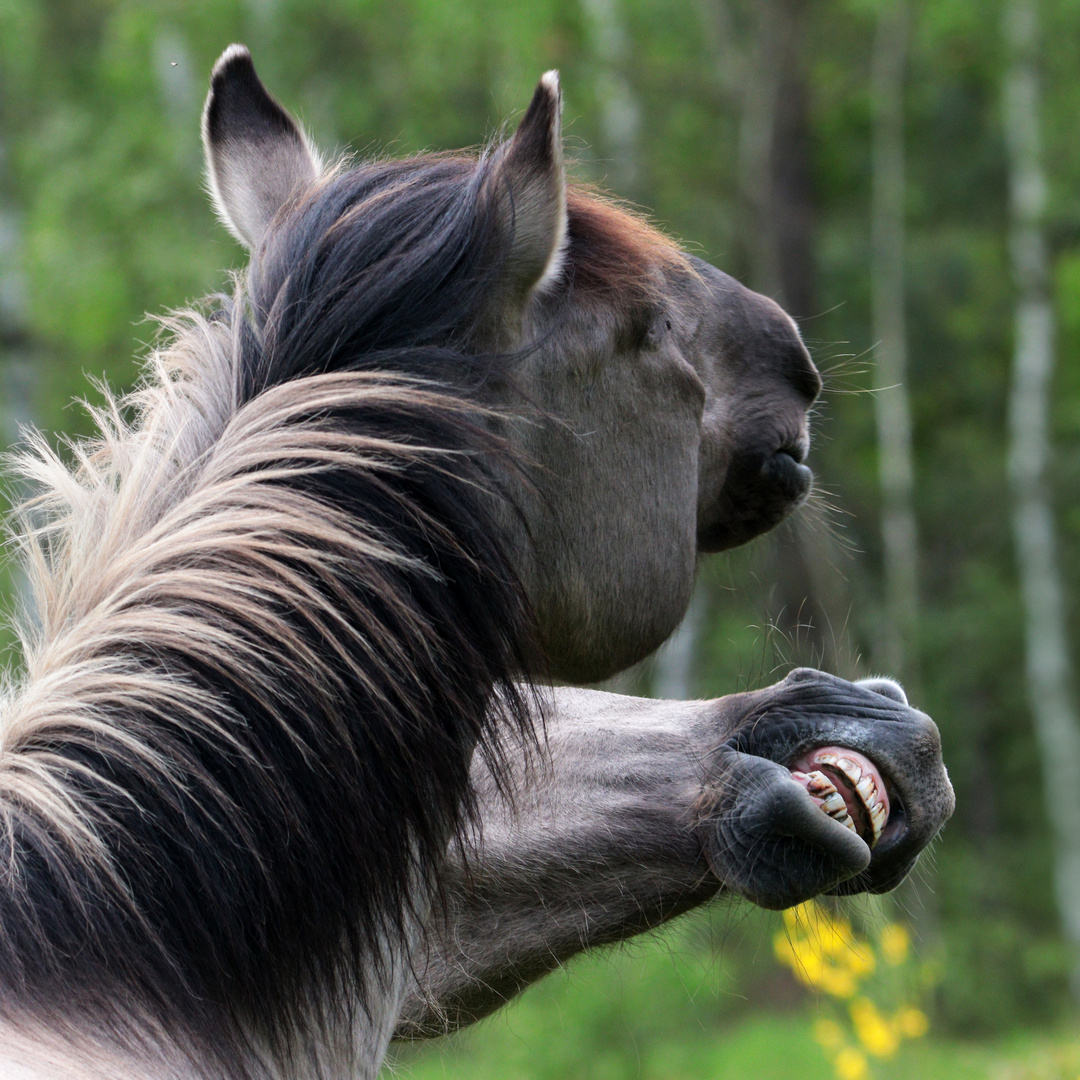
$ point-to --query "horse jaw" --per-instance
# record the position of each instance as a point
(690, 437)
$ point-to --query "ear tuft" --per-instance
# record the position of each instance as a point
(257, 156)
(235, 54)
(532, 173)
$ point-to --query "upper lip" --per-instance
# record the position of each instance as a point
(785, 471)
(795, 449)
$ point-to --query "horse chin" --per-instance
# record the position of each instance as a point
(758, 493)
(788, 476)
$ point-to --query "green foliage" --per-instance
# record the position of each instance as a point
(669, 1008)
(100, 184)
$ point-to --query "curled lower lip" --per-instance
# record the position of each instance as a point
(783, 471)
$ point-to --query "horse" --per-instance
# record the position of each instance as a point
(291, 768)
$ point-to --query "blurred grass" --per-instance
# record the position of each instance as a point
(765, 1048)
(673, 1007)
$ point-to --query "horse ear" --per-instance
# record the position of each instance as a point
(256, 153)
(531, 173)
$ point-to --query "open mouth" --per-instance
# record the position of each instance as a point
(846, 786)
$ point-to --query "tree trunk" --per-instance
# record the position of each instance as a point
(1049, 667)
(810, 605)
(17, 370)
(18, 365)
(898, 648)
(897, 635)
(620, 114)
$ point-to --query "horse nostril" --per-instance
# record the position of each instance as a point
(804, 375)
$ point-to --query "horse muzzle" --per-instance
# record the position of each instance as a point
(825, 786)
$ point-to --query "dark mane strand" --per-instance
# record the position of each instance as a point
(384, 267)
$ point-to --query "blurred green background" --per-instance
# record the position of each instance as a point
(747, 128)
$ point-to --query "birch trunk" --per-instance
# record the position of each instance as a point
(673, 675)
(891, 404)
(17, 370)
(1049, 667)
(18, 365)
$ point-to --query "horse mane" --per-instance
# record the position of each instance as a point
(614, 251)
(273, 618)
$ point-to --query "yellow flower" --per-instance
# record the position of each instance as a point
(912, 1022)
(812, 924)
(859, 959)
(832, 935)
(895, 943)
(828, 1034)
(880, 1037)
(837, 982)
(782, 947)
(851, 1064)
(812, 969)
(800, 915)
(823, 951)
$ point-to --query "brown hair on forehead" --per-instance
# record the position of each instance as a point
(615, 253)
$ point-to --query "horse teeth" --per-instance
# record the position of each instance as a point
(850, 769)
(819, 784)
(837, 809)
(864, 783)
(876, 810)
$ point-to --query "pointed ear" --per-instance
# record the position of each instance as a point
(530, 182)
(256, 153)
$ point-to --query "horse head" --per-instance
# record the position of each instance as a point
(661, 407)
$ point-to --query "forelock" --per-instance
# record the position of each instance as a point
(617, 257)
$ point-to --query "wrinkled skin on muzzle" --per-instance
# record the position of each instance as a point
(763, 835)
